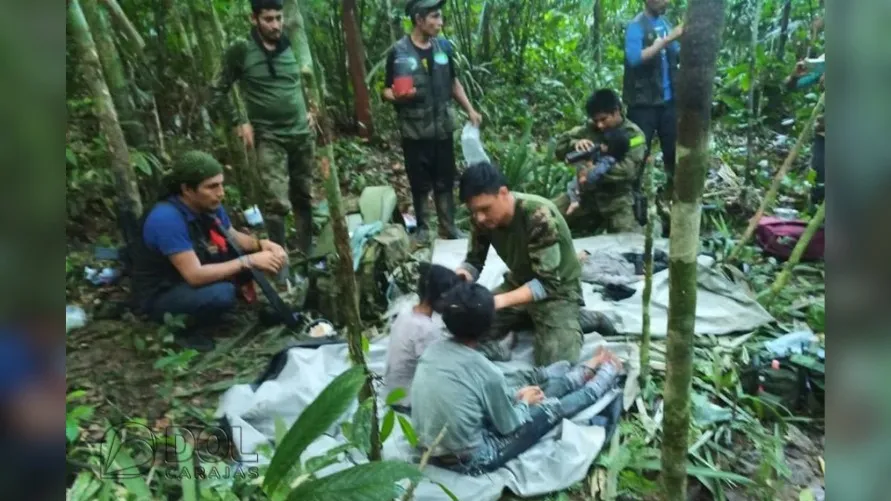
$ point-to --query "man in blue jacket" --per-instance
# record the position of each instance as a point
(651, 63)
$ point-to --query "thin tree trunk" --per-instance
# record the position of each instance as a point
(207, 42)
(702, 39)
(798, 251)
(356, 56)
(784, 30)
(346, 276)
(598, 31)
(129, 200)
(771, 195)
(129, 30)
(115, 77)
(650, 189)
(753, 84)
(485, 32)
(393, 22)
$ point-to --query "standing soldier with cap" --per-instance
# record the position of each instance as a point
(277, 125)
(421, 82)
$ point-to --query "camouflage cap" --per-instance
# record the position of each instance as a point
(193, 167)
(413, 7)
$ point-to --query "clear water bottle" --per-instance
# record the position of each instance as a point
(472, 146)
(403, 81)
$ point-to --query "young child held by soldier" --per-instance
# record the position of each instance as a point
(613, 149)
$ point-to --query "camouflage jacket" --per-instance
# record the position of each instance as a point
(536, 246)
(616, 186)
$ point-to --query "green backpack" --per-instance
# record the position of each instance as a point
(385, 269)
(796, 382)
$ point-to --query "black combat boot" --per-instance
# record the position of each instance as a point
(445, 214)
(422, 233)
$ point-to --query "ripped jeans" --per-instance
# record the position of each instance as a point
(567, 392)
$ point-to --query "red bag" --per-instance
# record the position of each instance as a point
(777, 237)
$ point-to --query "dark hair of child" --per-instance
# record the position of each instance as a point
(468, 310)
(433, 281)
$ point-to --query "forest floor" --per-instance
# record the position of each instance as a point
(128, 371)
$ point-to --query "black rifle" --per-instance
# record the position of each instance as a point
(293, 320)
(593, 154)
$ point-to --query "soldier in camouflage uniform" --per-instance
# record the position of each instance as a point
(277, 125)
(542, 288)
(608, 204)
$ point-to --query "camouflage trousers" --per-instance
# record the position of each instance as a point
(286, 172)
(590, 220)
(557, 334)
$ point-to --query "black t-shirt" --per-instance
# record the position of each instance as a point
(426, 60)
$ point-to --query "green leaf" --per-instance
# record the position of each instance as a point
(84, 488)
(366, 482)
(395, 396)
(71, 429)
(408, 430)
(70, 157)
(331, 403)
(447, 492)
(74, 395)
(189, 482)
(387, 425)
(696, 471)
(122, 462)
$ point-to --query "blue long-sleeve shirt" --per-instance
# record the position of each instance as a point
(634, 45)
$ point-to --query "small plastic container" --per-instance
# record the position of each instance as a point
(472, 145)
(252, 216)
(403, 81)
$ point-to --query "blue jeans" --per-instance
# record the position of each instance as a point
(203, 305)
(567, 393)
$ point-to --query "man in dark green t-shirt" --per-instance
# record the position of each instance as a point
(543, 285)
(277, 125)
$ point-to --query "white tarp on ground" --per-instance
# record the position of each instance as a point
(722, 306)
(559, 460)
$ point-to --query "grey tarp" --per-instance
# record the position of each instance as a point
(559, 460)
(722, 305)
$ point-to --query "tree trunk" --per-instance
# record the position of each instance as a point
(485, 34)
(798, 251)
(126, 26)
(652, 214)
(129, 201)
(702, 38)
(207, 41)
(771, 195)
(356, 57)
(753, 84)
(115, 77)
(346, 276)
(598, 31)
(784, 30)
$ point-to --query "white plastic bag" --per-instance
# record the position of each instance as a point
(472, 146)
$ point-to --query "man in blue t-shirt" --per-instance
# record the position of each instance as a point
(651, 62)
(183, 264)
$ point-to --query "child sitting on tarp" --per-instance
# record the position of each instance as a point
(611, 151)
(486, 423)
(415, 328)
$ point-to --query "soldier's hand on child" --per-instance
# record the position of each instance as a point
(572, 208)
